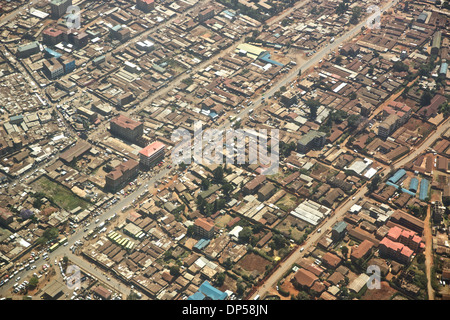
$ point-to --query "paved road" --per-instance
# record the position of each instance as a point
(64, 250)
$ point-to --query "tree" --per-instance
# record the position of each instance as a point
(344, 251)
(374, 183)
(400, 66)
(342, 7)
(313, 106)
(205, 184)
(190, 231)
(227, 188)
(278, 242)
(245, 234)
(220, 280)
(33, 282)
(353, 120)
(240, 289)
(175, 270)
(228, 264)
(356, 14)
(425, 99)
(182, 166)
(218, 175)
(133, 296)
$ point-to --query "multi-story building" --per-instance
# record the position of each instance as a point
(125, 99)
(52, 36)
(152, 154)
(59, 8)
(395, 250)
(126, 128)
(28, 49)
(53, 68)
(204, 228)
(311, 140)
(68, 64)
(121, 175)
(388, 126)
(145, 5)
(407, 237)
(206, 14)
(91, 115)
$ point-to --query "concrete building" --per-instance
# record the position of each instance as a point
(152, 154)
(338, 231)
(28, 49)
(205, 14)
(388, 126)
(126, 128)
(59, 8)
(52, 36)
(312, 140)
(395, 250)
(204, 228)
(145, 5)
(121, 175)
(53, 68)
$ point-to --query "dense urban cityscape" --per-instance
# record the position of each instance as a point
(103, 101)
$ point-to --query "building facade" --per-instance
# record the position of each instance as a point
(152, 154)
(126, 128)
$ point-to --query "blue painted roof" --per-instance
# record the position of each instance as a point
(340, 226)
(208, 290)
(391, 184)
(397, 176)
(53, 52)
(423, 193)
(197, 296)
(414, 184)
(266, 58)
(201, 244)
(409, 192)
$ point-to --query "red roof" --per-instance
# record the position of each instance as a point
(126, 122)
(397, 246)
(52, 32)
(204, 224)
(152, 148)
(394, 233)
(305, 278)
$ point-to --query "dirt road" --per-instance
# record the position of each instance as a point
(429, 252)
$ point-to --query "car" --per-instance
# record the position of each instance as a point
(319, 230)
(301, 249)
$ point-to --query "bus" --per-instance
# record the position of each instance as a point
(53, 247)
(62, 241)
(112, 235)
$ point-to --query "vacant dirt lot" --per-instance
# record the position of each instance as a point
(384, 293)
(253, 262)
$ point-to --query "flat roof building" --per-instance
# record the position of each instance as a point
(126, 128)
(152, 154)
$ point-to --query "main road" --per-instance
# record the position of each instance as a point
(78, 235)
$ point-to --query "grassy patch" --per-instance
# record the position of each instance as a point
(59, 194)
